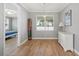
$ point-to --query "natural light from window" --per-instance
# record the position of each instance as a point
(44, 23)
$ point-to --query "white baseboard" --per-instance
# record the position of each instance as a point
(37, 38)
(23, 42)
(76, 52)
(45, 38)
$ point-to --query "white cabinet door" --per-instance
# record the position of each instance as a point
(66, 41)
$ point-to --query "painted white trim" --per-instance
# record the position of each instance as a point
(4, 33)
(76, 52)
(45, 38)
(23, 42)
(45, 11)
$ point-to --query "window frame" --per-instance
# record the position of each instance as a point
(44, 23)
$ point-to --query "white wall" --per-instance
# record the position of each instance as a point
(75, 23)
(22, 24)
(1, 29)
(44, 34)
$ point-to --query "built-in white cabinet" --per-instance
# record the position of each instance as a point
(66, 40)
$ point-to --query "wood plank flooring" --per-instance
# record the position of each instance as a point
(41, 48)
(10, 45)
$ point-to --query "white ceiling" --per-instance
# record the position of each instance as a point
(10, 10)
(44, 7)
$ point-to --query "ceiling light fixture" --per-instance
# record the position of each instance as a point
(9, 11)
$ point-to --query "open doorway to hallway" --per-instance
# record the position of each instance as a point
(11, 32)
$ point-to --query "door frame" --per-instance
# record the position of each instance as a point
(18, 36)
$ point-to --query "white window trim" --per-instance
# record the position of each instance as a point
(44, 29)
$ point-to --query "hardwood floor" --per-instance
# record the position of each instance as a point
(10, 45)
(41, 48)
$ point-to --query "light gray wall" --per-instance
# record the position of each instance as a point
(14, 24)
(75, 22)
(22, 24)
(44, 34)
(1, 29)
(10, 24)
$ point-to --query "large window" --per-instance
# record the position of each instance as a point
(44, 22)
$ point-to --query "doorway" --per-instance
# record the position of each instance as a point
(11, 29)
